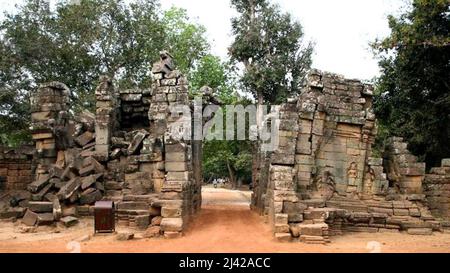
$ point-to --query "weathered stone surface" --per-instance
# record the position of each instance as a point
(172, 224)
(40, 206)
(39, 184)
(85, 138)
(152, 232)
(90, 196)
(69, 221)
(69, 211)
(142, 221)
(88, 181)
(156, 221)
(30, 218)
(137, 141)
(283, 237)
(69, 189)
(446, 162)
(45, 218)
(57, 210)
(420, 231)
(172, 234)
(171, 212)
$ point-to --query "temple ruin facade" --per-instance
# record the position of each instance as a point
(323, 179)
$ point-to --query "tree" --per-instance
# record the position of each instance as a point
(75, 44)
(213, 72)
(269, 44)
(185, 40)
(230, 159)
(413, 92)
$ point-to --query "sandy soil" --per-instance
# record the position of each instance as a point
(225, 224)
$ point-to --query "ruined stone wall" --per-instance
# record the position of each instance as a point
(180, 193)
(49, 129)
(16, 168)
(403, 170)
(137, 150)
(337, 128)
(135, 104)
(436, 187)
(324, 178)
(129, 151)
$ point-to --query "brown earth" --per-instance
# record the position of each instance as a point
(225, 224)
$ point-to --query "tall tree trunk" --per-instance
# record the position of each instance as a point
(259, 110)
(231, 174)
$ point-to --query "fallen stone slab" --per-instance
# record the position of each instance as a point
(12, 213)
(55, 172)
(39, 184)
(69, 221)
(22, 195)
(40, 206)
(91, 166)
(88, 181)
(40, 195)
(69, 189)
(88, 170)
(30, 218)
(100, 186)
(135, 144)
(90, 196)
(50, 197)
(45, 219)
(85, 138)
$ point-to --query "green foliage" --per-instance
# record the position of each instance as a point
(218, 153)
(213, 72)
(185, 40)
(269, 44)
(413, 92)
(75, 44)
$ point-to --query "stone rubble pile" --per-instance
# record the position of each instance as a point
(74, 180)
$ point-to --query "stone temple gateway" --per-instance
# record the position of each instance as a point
(324, 178)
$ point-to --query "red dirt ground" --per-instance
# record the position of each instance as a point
(225, 224)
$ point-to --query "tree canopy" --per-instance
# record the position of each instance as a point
(269, 43)
(413, 92)
(76, 43)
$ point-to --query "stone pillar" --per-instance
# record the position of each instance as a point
(282, 186)
(49, 106)
(106, 117)
(170, 119)
(403, 170)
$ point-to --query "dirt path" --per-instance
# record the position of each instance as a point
(225, 224)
